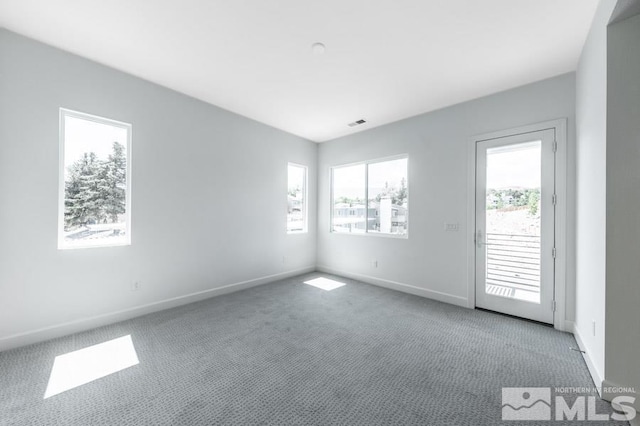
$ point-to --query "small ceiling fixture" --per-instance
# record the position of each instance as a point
(318, 48)
(357, 122)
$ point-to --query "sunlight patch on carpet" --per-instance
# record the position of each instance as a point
(325, 283)
(80, 367)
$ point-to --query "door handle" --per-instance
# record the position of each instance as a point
(479, 242)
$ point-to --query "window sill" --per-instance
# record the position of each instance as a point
(90, 246)
(373, 234)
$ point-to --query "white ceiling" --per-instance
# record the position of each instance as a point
(385, 60)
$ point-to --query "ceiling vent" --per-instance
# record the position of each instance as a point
(357, 123)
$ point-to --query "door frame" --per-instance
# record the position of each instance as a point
(560, 272)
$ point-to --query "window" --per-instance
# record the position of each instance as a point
(348, 198)
(297, 199)
(95, 196)
(383, 184)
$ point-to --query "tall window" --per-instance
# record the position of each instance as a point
(371, 197)
(348, 199)
(297, 199)
(95, 196)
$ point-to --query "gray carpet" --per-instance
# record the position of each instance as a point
(290, 354)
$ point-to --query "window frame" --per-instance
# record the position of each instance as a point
(366, 164)
(63, 113)
(305, 198)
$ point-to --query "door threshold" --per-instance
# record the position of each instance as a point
(515, 317)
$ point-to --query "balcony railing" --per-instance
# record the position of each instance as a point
(513, 266)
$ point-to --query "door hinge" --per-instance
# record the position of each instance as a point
(553, 252)
(553, 305)
(554, 199)
(555, 146)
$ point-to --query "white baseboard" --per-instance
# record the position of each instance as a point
(83, 324)
(595, 374)
(602, 385)
(405, 288)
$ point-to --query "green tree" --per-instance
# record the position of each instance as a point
(294, 191)
(95, 191)
(534, 201)
(82, 192)
(348, 200)
(114, 181)
(400, 195)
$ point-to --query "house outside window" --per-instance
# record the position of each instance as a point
(296, 199)
(384, 186)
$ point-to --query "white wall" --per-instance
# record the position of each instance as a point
(591, 125)
(209, 197)
(432, 262)
(622, 342)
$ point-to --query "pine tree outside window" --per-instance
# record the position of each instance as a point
(95, 183)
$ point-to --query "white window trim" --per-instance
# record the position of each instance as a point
(366, 163)
(64, 112)
(305, 198)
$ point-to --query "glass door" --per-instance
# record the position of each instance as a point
(515, 216)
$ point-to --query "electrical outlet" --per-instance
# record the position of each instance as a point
(135, 286)
(451, 227)
(593, 327)
(374, 263)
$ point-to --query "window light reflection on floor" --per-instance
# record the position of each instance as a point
(325, 283)
(79, 367)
